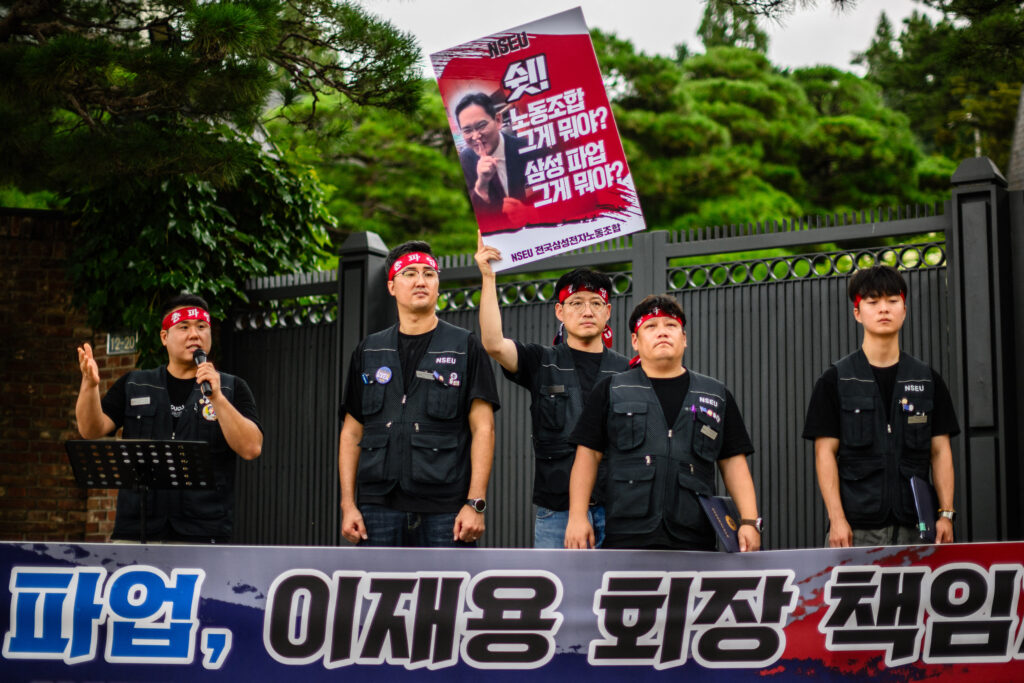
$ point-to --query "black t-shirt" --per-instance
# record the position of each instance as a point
(823, 410)
(178, 391)
(592, 432)
(411, 347)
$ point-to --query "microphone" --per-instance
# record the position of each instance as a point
(199, 356)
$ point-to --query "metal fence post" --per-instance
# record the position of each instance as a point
(363, 299)
(648, 264)
(982, 321)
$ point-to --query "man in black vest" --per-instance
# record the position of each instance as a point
(418, 432)
(662, 429)
(167, 403)
(878, 417)
(559, 378)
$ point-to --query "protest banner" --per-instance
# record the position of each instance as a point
(171, 613)
(539, 148)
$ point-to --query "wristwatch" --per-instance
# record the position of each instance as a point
(758, 523)
(948, 514)
(478, 504)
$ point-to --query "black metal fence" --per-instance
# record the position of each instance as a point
(766, 312)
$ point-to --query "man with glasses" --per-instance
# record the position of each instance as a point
(417, 441)
(494, 166)
(559, 379)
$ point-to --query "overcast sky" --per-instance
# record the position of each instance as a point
(817, 35)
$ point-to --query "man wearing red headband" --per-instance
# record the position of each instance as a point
(662, 429)
(167, 403)
(559, 378)
(879, 417)
(417, 440)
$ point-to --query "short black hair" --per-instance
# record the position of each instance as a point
(584, 277)
(876, 281)
(184, 300)
(479, 99)
(650, 302)
(406, 248)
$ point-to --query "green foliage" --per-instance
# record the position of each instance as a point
(139, 244)
(731, 24)
(959, 79)
(145, 118)
(96, 93)
(727, 138)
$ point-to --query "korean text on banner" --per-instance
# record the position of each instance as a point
(539, 148)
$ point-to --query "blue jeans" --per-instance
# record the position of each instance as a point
(390, 528)
(549, 527)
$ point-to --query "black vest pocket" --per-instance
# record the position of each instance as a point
(686, 510)
(549, 411)
(553, 472)
(917, 426)
(435, 457)
(628, 424)
(442, 401)
(372, 456)
(208, 505)
(857, 421)
(630, 492)
(139, 420)
(861, 486)
(373, 398)
(707, 437)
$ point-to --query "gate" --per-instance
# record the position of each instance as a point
(766, 313)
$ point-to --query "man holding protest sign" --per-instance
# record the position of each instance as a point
(559, 379)
(418, 432)
(662, 428)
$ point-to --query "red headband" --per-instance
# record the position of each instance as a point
(572, 289)
(856, 299)
(409, 259)
(185, 313)
(655, 313)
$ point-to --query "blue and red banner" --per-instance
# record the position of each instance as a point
(167, 613)
(563, 182)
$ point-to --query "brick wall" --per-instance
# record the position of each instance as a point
(39, 380)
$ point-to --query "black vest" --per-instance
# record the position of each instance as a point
(147, 415)
(416, 436)
(556, 406)
(877, 456)
(656, 471)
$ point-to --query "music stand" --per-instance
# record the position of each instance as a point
(141, 465)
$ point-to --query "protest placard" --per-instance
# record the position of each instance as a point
(539, 148)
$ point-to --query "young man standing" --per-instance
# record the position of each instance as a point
(662, 430)
(418, 432)
(167, 403)
(559, 379)
(878, 417)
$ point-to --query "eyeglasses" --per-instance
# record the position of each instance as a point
(577, 306)
(411, 274)
(477, 127)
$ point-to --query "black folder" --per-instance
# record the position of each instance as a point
(924, 501)
(722, 514)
